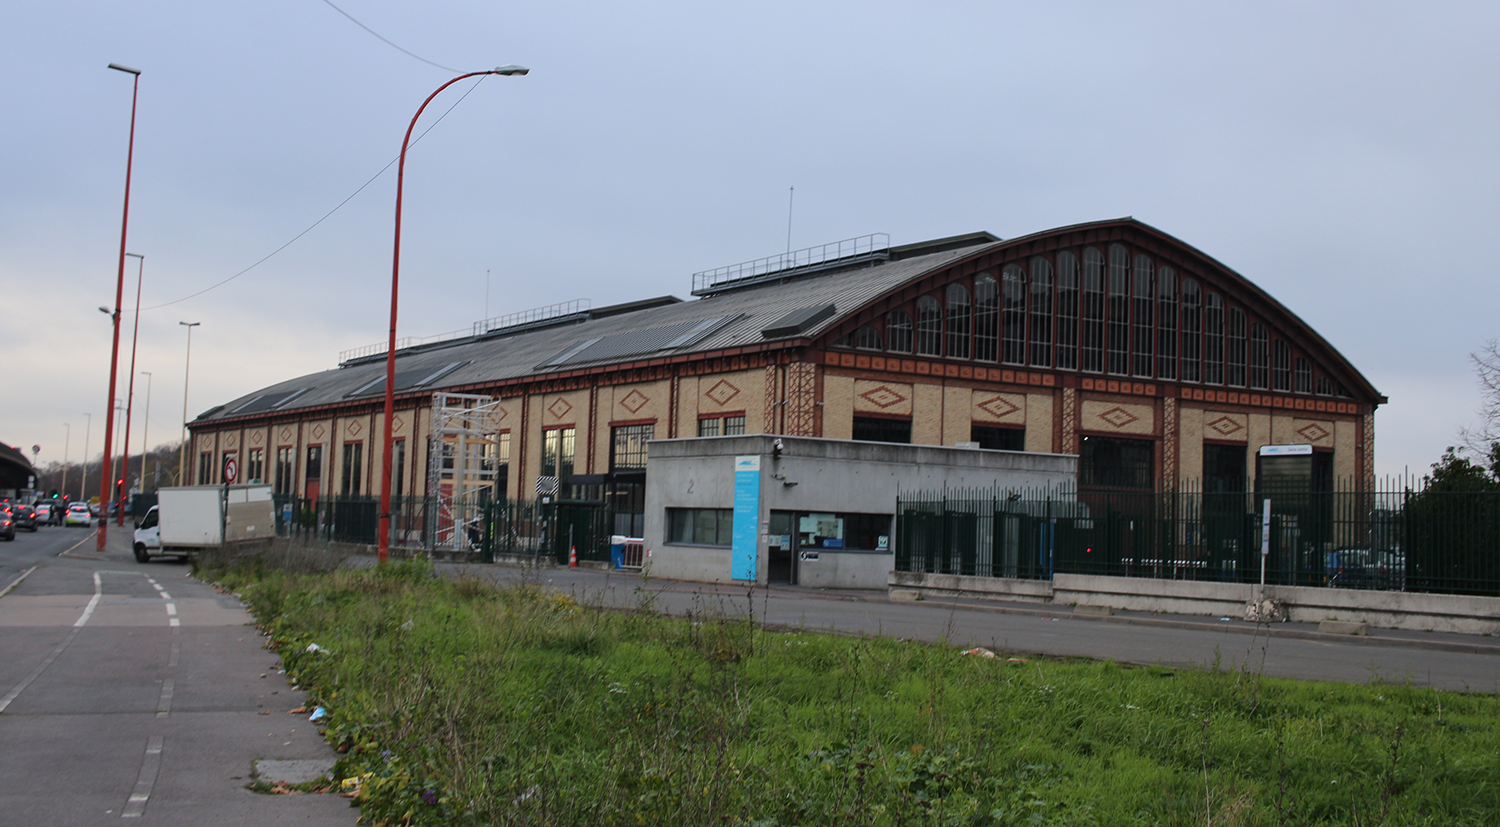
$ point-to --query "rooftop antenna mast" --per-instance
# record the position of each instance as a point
(486, 293)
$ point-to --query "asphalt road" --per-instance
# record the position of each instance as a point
(1291, 650)
(134, 691)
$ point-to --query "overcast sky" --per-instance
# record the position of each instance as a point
(1340, 155)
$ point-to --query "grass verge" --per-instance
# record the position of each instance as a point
(457, 702)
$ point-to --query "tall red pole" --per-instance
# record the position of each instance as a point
(107, 478)
(130, 394)
(384, 541)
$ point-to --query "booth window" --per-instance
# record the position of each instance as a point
(700, 526)
(860, 532)
(880, 429)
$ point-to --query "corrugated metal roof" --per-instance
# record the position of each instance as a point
(728, 320)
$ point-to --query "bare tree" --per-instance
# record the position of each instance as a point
(1484, 438)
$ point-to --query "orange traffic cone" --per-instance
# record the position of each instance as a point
(573, 556)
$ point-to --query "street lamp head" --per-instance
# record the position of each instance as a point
(186, 324)
(118, 68)
(135, 255)
(509, 70)
(104, 310)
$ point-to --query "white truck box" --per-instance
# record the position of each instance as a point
(194, 517)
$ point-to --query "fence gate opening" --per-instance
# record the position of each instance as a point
(462, 442)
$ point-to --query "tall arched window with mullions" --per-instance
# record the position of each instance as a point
(929, 327)
(1041, 312)
(1260, 356)
(958, 321)
(1166, 323)
(1213, 340)
(1235, 336)
(867, 338)
(1119, 309)
(1304, 376)
(1281, 373)
(1192, 330)
(1093, 311)
(898, 331)
(1144, 331)
(1013, 315)
(986, 318)
(1067, 311)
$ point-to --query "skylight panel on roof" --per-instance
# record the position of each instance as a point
(639, 342)
(407, 379)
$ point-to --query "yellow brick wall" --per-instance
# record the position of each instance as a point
(927, 414)
(1039, 422)
(838, 407)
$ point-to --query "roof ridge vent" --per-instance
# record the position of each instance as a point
(873, 247)
(530, 317)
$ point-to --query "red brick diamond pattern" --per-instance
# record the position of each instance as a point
(559, 409)
(354, 428)
(998, 407)
(317, 431)
(1313, 432)
(286, 434)
(1118, 417)
(882, 397)
(634, 401)
(1225, 426)
(722, 392)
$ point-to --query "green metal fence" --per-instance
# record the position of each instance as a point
(1401, 538)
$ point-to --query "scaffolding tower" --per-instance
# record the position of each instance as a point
(462, 442)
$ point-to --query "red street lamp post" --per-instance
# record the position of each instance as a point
(384, 542)
(130, 394)
(106, 479)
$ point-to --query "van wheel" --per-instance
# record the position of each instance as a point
(140, 553)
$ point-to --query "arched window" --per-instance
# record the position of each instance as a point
(1166, 323)
(1236, 340)
(1141, 364)
(1013, 315)
(1325, 386)
(867, 338)
(1260, 356)
(1067, 311)
(958, 321)
(1041, 312)
(1192, 329)
(1119, 309)
(1304, 376)
(1213, 340)
(929, 327)
(986, 318)
(1093, 310)
(898, 330)
(1281, 373)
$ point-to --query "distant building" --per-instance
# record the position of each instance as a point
(1113, 341)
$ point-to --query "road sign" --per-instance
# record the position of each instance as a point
(231, 469)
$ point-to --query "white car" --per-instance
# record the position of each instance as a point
(78, 514)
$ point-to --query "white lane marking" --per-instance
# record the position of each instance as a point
(135, 806)
(65, 551)
(16, 582)
(164, 704)
(171, 608)
(176, 650)
(88, 610)
(42, 667)
(165, 596)
(174, 622)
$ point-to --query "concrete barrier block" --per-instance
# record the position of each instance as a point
(1093, 611)
(1343, 627)
(903, 595)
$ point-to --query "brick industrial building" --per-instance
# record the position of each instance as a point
(1111, 340)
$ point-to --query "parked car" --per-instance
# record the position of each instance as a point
(78, 514)
(23, 516)
(7, 528)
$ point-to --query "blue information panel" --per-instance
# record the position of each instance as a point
(744, 552)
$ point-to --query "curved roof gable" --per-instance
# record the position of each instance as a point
(1165, 249)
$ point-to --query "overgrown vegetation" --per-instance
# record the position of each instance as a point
(456, 702)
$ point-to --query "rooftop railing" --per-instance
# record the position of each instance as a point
(749, 271)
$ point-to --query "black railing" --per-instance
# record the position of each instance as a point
(1402, 539)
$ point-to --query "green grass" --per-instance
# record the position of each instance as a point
(460, 703)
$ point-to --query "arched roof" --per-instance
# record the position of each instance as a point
(1138, 237)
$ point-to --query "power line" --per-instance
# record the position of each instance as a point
(326, 215)
(388, 42)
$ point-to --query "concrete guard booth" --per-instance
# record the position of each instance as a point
(806, 511)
